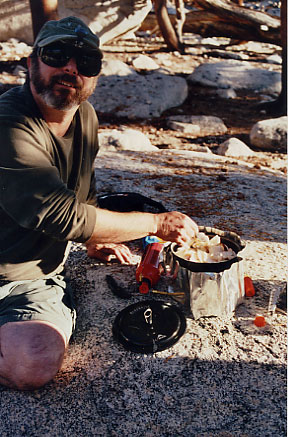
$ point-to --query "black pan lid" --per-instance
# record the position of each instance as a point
(128, 201)
(149, 326)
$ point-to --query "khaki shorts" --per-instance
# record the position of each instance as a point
(49, 300)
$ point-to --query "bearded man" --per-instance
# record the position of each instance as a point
(48, 199)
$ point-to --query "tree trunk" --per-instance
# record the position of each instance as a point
(42, 11)
(256, 25)
(165, 25)
(226, 19)
(279, 106)
(283, 95)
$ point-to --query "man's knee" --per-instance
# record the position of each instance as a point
(32, 353)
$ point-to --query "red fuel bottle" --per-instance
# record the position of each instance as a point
(249, 287)
(149, 269)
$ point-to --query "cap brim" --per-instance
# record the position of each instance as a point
(55, 38)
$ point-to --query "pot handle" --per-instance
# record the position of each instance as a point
(170, 264)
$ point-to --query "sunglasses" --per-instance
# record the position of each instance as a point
(88, 61)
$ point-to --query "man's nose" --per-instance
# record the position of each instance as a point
(71, 66)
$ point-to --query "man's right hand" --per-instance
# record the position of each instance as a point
(176, 227)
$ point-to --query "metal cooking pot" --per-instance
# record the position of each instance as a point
(208, 289)
(230, 239)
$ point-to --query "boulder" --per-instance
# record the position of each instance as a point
(15, 21)
(108, 19)
(270, 134)
(124, 139)
(234, 148)
(134, 95)
(197, 125)
(236, 75)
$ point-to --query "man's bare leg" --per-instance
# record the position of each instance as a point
(31, 353)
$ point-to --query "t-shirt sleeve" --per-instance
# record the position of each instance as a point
(31, 190)
(92, 195)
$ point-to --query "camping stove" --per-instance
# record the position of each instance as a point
(208, 289)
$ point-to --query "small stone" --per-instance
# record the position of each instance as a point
(234, 147)
(125, 139)
(143, 62)
(270, 134)
(207, 125)
(187, 128)
(228, 93)
(274, 59)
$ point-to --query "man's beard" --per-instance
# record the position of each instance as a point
(64, 99)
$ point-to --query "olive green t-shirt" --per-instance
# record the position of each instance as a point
(46, 186)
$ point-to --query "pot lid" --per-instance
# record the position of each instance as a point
(149, 326)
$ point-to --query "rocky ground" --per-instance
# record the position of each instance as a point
(239, 114)
(225, 377)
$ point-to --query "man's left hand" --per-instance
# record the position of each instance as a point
(109, 251)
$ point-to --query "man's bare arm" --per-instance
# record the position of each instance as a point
(117, 227)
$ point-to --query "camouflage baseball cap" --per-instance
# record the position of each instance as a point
(67, 29)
